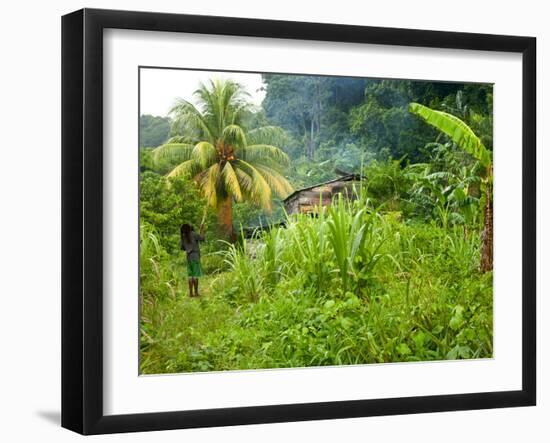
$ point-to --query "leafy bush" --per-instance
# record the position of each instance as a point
(166, 204)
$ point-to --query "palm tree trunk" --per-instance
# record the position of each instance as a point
(225, 218)
(486, 262)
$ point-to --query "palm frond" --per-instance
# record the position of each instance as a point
(245, 182)
(188, 168)
(207, 97)
(231, 94)
(239, 112)
(231, 181)
(260, 192)
(204, 153)
(275, 180)
(266, 154)
(221, 99)
(234, 135)
(183, 139)
(172, 152)
(271, 135)
(209, 181)
(187, 116)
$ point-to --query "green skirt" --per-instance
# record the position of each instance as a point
(194, 269)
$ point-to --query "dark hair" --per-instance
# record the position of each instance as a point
(185, 230)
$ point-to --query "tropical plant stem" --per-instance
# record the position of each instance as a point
(486, 262)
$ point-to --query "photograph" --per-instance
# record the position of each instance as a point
(291, 220)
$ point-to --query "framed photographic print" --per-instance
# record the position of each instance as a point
(269, 221)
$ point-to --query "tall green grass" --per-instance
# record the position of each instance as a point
(351, 285)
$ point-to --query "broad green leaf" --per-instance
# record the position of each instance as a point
(456, 129)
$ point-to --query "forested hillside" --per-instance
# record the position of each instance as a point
(341, 121)
(153, 131)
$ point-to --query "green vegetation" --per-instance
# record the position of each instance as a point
(461, 134)
(228, 161)
(395, 274)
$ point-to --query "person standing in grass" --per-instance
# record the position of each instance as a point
(190, 244)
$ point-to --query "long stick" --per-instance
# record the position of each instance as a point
(204, 215)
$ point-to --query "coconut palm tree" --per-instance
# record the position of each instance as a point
(229, 161)
(460, 133)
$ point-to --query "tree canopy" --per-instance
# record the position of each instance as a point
(329, 117)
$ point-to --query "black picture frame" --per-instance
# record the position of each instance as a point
(82, 218)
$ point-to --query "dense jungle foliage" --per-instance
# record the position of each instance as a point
(391, 275)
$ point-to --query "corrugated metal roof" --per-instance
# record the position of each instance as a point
(344, 178)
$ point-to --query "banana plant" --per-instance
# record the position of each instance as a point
(445, 195)
(464, 137)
